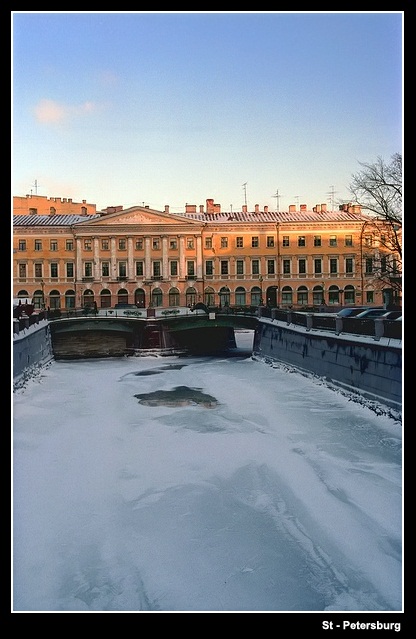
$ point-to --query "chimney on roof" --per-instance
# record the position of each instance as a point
(266, 209)
(244, 208)
(292, 208)
(317, 208)
(323, 208)
(166, 208)
(190, 208)
(256, 208)
(303, 207)
(201, 208)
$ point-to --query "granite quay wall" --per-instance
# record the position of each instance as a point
(32, 346)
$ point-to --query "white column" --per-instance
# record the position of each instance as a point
(147, 259)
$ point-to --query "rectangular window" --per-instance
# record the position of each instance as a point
(139, 269)
(70, 269)
(368, 240)
(302, 266)
(286, 267)
(69, 245)
(270, 267)
(317, 266)
(255, 267)
(156, 244)
(54, 269)
(87, 245)
(22, 271)
(224, 242)
(270, 241)
(122, 270)
(209, 267)
(88, 269)
(173, 244)
(239, 266)
(348, 240)
(54, 245)
(139, 244)
(285, 240)
(224, 267)
(208, 242)
(38, 245)
(301, 240)
(239, 242)
(383, 264)
(157, 269)
(255, 242)
(173, 268)
(349, 265)
(22, 245)
(332, 240)
(105, 269)
(190, 268)
(317, 240)
(333, 265)
(38, 270)
(122, 245)
(189, 242)
(105, 245)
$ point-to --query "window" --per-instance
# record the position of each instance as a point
(270, 241)
(139, 244)
(285, 240)
(317, 266)
(173, 268)
(173, 244)
(69, 245)
(270, 267)
(239, 267)
(333, 265)
(255, 242)
(349, 265)
(224, 267)
(368, 240)
(122, 244)
(383, 264)
(122, 270)
(348, 240)
(332, 240)
(38, 270)
(54, 245)
(105, 245)
(54, 269)
(302, 266)
(369, 295)
(139, 269)
(286, 267)
(22, 271)
(190, 268)
(22, 245)
(157, 269)
(302, 296)
(209, 267)
(317, 240)
(156, 244)
(69, 269)
(38, 245)
(301, 240)
(33, 211)
(88, 269)
(173, 297)
(224, 242)
(287, 295)
(240, 296)
(239, 242)
(87, 245)
(189, 242)
(208, 242)
(255, 267)
(105, 269)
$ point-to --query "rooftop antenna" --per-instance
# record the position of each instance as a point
(36, 188)
(245, 193)
(331, 194)
(277, 196)
(296, 197)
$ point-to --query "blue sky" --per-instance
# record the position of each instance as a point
(120, 108)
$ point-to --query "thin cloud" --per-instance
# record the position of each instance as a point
(52, 112)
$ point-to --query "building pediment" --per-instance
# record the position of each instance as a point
(142, 216)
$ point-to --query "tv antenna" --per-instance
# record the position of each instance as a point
(331, 194)
(35, 185)
(245, 193)
(296, 198)
(277, 196)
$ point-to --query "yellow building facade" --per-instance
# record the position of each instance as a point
(67, 255)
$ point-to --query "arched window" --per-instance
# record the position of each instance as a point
(287, 296)
(157, 297)
(209, 296)
(174, 297)
(240, 296)
(38, 299)
(224, 296)
(302, 296)
(255, 295)
(54, 299)
(190, 296)
(334, 295)
(140, 298)
(349, 294)
(122, 296)
(70, 299)
(318, 296)
(88, 298)
(105, 298)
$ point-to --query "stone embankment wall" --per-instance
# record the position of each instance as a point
(371, 367)
(32, 347)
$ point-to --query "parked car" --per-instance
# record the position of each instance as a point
(351, 311)
(371, 313)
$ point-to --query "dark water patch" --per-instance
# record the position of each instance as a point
(160, 369)
(179, 396)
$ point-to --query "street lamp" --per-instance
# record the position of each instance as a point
(261, 290)
(42, 284)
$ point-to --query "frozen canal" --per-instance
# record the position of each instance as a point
(202, 484)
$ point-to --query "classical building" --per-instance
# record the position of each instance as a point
(68, 255)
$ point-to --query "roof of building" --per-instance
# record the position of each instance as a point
(51, 220)
(274, 216)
